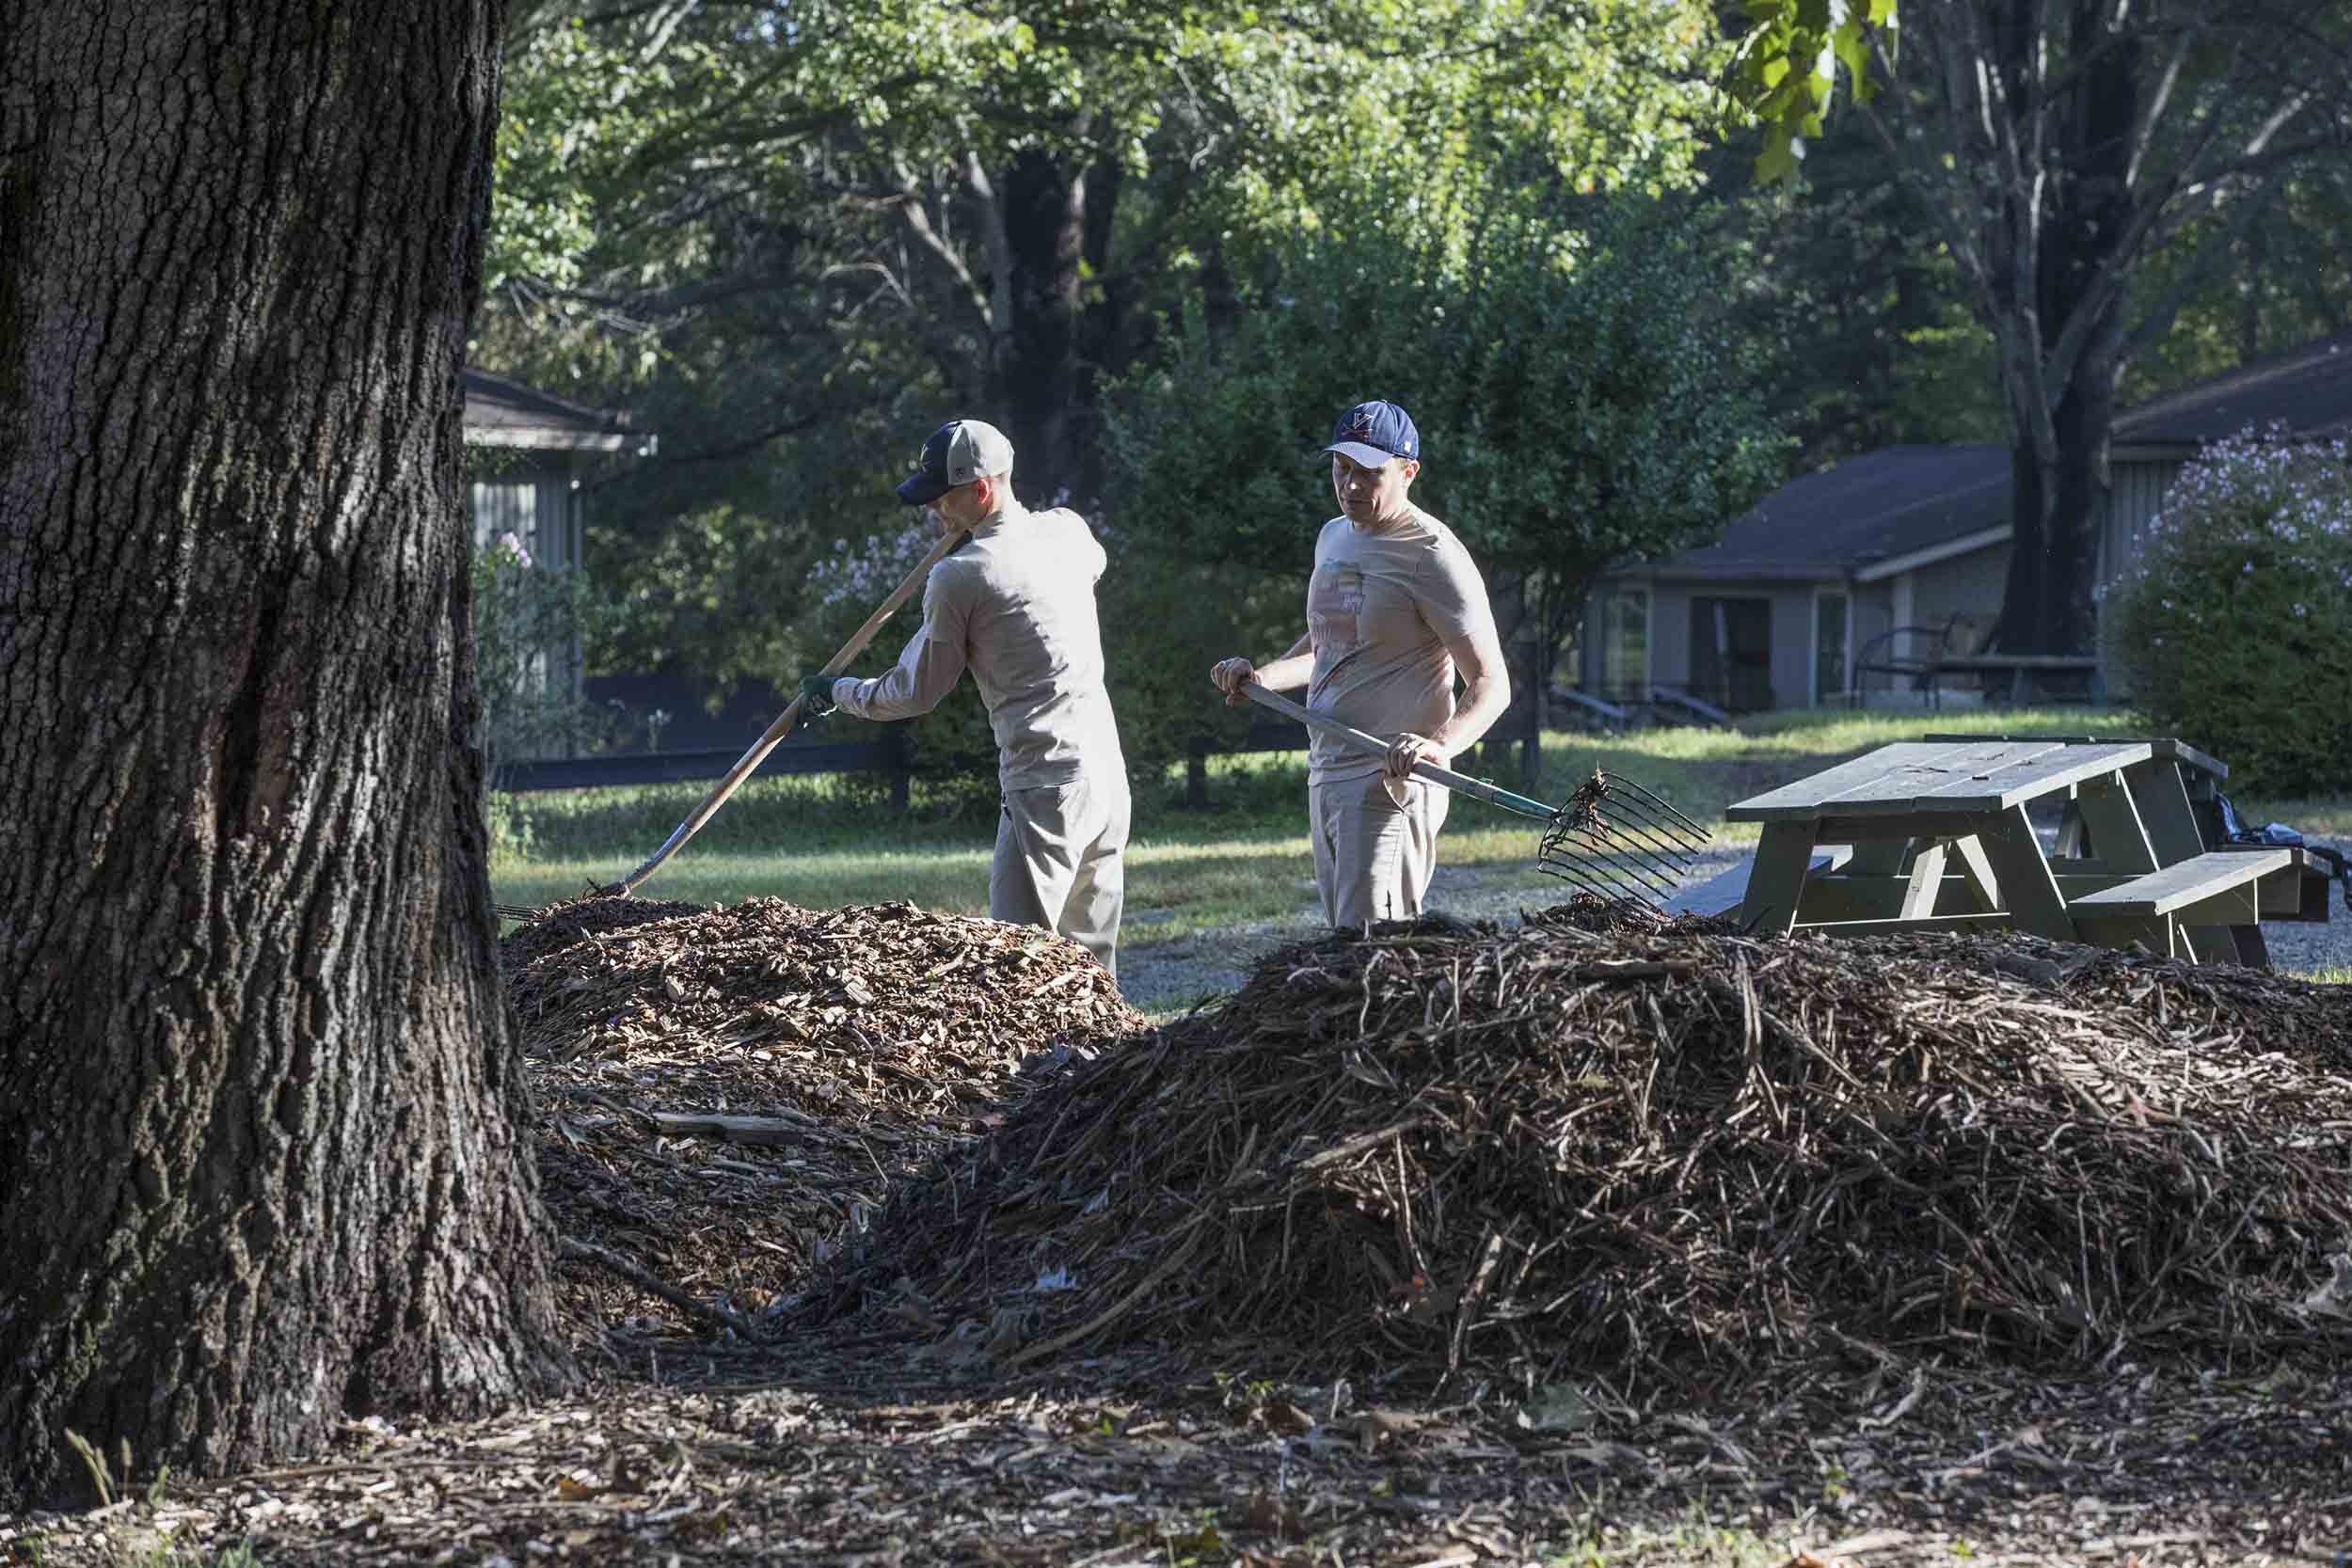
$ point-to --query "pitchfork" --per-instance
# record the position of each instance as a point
(1613, 839)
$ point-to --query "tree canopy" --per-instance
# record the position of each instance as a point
(795, 237)
(1584, 393)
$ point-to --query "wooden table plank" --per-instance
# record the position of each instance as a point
(2186, 882)
(1863, 779)
(2167, 748)
(1997, 790)
(1917, 778)
(2160, 795)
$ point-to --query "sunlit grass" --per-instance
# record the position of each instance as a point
(827, 842)
(1199, 885)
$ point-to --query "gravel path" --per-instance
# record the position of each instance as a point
(1174, 975)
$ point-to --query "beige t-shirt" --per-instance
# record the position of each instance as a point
(1380, 610)
(1015, 605)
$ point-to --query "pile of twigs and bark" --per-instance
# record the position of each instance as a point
(1665, 1154)
(724, 1093)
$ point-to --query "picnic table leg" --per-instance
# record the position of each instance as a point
(2118, 836)
(2030, 892)
(2160, 797)
(2071, 833)
(1784, 851)
(1976, 869)
(1925, 881)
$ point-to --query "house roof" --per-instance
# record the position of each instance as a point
(504, 413)
(2307, 390)
(1907, 506)
(1894, 503)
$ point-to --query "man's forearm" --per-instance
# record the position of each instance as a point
(1484, 701)
(1292, 671)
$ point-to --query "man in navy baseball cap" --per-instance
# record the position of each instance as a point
(1396, 614)
(1373, 433)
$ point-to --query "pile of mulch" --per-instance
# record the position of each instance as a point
(1666, 1155)
(724, 1093)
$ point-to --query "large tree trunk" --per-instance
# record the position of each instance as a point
(262, 1160)
(2060, 495)
(1036, 369)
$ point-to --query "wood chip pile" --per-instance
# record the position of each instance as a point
(1666, 1154)
(724, 1092)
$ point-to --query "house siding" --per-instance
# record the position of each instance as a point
(1873, 617)
(536, 505)
(1968, 585)
(2135, 491)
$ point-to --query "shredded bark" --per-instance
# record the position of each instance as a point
(725, 1093)
(1665, 1155)
(1893, 1253)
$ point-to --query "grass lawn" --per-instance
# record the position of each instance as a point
(827, 842)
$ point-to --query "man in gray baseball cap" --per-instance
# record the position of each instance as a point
(1015, 605)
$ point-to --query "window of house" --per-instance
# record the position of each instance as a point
(1625, 644)
(1831, 614)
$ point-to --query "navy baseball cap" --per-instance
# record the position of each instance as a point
(958, 452)
(1372, 433)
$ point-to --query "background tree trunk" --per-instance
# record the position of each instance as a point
(260, 1154)
(1037, 376)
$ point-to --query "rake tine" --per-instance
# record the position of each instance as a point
(1626, 812)
(1577, 875)
(1660, 803)
(1661, 829)
(1607, 837)
(1614, 860)
(1633, 875)
(1629, 864)
(1631, 837)
(1637, 811)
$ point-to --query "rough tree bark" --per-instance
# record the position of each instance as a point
(260, 1154)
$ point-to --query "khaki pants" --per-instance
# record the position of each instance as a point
(1061, 862)
(1374, 858)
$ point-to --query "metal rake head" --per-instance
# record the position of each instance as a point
(1617, 841)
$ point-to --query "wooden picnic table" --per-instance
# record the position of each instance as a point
(1935, 834)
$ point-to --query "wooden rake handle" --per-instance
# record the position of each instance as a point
(1477, 788)
(784, 721)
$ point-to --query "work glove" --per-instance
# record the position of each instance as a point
(817, 699)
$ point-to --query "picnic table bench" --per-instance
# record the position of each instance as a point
(1935, 834)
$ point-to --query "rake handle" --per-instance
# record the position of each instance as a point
(784, 721)
(1476, 789)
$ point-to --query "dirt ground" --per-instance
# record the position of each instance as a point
(808, 1457)
(698, 1119)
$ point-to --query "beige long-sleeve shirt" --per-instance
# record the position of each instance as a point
(1015, 605)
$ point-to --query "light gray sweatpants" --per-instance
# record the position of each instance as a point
(1061, 861)
(1374, 857)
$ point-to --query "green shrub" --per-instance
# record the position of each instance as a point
(2234, 623)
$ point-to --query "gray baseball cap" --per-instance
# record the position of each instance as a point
(958, 452)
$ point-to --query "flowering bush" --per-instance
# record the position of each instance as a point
(2233, 623)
